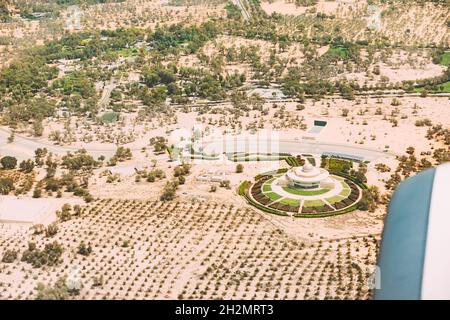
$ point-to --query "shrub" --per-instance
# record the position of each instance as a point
(6, 185)
(9, 256)
(84, 249)
(8, 162)
(50, 256)
(57, 292)
(27, 166)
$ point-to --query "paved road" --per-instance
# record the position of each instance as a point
(106, 95)
(241, 6)
(23, 147)
(293, 147)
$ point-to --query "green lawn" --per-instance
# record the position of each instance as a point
(266, 187)
(110, 117)
(345, 193)
(273, 196)
(443, 88)
(300, 192)
(335, 164)
(290, 202)
(128, 52)
(334, 199)
(338, 52)
(445, 59)
(313, 203)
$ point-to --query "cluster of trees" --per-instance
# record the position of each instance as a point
(43, 9)
(181, 171)
(190, 38)
(159, 144)
(49, 256)
(179, 83)
(6, 185)
(79, 160)
(76, 83)
(5, 15)
(121, 155)
(26, 76)
(370, 199)
(169, 191)
(67, 212)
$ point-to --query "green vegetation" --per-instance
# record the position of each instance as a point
(338, 53)
(313, 203)
(49, 256)
(8, 162)
(345, 192)
(5, 15)
(6, 186)
(295, 161)
(290, 202)
(339, 165)
(302, 192)
(267, 185)
(273, 196)
(335, 199)
(110, 117)
(445, 59)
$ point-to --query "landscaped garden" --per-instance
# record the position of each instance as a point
(268, 195)
(305, 192)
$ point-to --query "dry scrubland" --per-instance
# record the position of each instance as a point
(144, 250)
(409, 23)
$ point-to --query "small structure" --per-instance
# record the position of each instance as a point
(307, 177)
(213, 176)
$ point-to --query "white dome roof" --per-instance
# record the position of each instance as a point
(307, 173)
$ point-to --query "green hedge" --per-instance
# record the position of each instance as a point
(349, 177)
(292, 161)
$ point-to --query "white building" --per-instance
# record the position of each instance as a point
(307, 177)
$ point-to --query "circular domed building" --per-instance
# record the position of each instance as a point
(307, 177)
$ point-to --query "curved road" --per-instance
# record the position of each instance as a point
(293, 146)
(23, 147)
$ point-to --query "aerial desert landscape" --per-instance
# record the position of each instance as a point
(211, 149)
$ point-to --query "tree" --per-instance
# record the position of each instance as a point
(49, 256)
(37, 193)
(51, 230)
(8, 162)
(9, 256)
(410, 150)
(57, 292)
(40, 153)
(84, 249)
(65, 213)
(38, 128)
(27, 166)
(6, 185)
(169, 191)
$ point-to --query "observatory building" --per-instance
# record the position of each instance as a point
(307, 177)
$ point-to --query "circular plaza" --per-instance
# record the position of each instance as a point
(303, 191)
